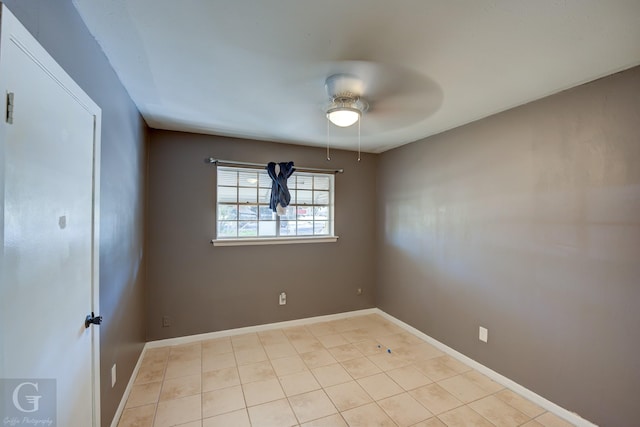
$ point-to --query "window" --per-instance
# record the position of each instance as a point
(243, 206)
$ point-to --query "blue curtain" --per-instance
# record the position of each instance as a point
(280, 196)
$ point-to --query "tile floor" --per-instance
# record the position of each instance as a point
(335, 373)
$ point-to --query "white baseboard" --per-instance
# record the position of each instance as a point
(565, 414)
(127, 390)
(258, 328)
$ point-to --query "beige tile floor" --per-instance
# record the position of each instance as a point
(335, 373)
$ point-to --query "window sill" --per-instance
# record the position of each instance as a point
(278, 241)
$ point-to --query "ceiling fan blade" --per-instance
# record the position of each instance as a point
(401, 111)
(398, 97)
(381, 79)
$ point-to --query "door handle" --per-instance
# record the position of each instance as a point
(92, 320)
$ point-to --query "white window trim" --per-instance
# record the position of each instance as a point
(258, 241)
(270, 241)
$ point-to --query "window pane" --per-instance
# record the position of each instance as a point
(267, 228)
(264, 195)
(321, 197)
(227, 194)
(248, 212)
(227, 177)
(304, 196)
(227, 212)
(320, 227)
(291, 182)
(304, 212)
(247, 228)
(287, 228)
(321, 213)
(321, 182)
(266, 214)
(227, 229)
(248, 179)
(247, 195)
(264, 180)
(305, 182)
(290, 213)
(305, 228)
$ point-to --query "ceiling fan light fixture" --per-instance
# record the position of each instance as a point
(343, 116)
(346, 105)
(346, 109)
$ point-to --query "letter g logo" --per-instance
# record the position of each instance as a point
(33, 400)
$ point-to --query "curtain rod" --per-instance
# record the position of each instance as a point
(263, 165)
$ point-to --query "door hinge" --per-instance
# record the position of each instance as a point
(9, 117)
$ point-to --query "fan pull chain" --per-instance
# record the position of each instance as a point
(359, 138)
(328, 156)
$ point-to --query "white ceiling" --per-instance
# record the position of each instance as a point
(256, 68)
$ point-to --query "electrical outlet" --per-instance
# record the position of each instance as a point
(283, 298)
(113, 375)
(359, 291)
(483, 335)
(166, 321)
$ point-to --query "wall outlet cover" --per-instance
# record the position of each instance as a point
(483, 335)
(113, 375)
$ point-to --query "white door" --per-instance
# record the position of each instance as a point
(49, 153)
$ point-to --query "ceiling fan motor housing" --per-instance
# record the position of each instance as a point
(345, 92)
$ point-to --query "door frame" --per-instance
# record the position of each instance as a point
(12, 31)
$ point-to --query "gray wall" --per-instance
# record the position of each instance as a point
(58, 27)
(527, 223)
(203, 288)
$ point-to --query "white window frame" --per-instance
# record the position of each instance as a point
(261, 205)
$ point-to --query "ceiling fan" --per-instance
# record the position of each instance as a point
(391, 96)
(346, 106)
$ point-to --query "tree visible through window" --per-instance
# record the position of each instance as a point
(243, 205)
